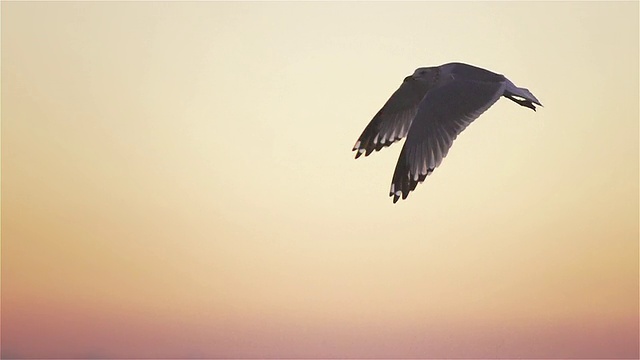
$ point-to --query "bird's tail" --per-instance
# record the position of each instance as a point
(521, 96)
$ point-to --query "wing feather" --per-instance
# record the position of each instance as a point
(393, 120)
(443, 114)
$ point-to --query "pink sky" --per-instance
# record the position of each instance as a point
(120, 333)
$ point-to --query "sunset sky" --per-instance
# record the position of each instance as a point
(178, 181)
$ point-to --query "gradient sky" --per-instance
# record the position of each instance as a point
(178, 181)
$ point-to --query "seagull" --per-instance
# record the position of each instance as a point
(431, 108)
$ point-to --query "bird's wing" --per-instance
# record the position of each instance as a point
(392, 122)
(442, 115)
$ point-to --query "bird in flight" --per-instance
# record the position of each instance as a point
(431, 108)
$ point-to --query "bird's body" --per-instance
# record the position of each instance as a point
(431, 108)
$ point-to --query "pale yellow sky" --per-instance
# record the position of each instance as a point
(189, 165)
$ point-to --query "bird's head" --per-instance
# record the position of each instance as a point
(427, 75)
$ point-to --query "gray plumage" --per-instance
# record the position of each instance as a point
(431, 108)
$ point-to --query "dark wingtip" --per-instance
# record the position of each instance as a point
(523, 102)
(529, 104)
